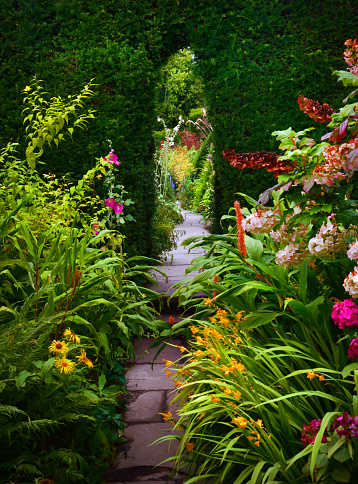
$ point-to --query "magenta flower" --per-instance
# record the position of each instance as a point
(117, 207)
(345, 314)
(310, 431)
(112, 158)
(353, 349)
(96, 227)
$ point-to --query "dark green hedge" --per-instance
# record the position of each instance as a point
(255, 59)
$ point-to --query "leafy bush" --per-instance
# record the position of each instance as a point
(69, 310)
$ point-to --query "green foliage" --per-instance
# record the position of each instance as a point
(70, 308)
(179, 88)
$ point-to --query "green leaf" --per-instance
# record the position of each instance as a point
(258, 318)
(20, 380)
(341, 474)
(342, 455)
(101, 381)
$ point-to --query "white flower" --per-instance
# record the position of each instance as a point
(351, 283)
(352, 252)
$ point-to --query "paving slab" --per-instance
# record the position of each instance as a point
(146, 407)
(146, 355)
(141, 450)
(142, 377)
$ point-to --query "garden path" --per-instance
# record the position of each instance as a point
(138, 461)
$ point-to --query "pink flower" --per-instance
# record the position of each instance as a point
(117, 207)
(345, 314)
(112, 158)
(310, 431)
(353, 349)
(352, 252)
(96, 227)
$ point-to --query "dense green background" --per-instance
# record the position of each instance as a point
(255, 58)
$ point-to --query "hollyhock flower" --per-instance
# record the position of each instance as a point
(353, 349)
(117, 207)
(351, 282)
(352, 252)
(345, 314)
(112, 158)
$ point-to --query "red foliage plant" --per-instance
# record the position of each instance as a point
(190, 139)
(321, 113)
(258, 159)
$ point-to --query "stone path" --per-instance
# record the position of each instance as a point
(138, 461)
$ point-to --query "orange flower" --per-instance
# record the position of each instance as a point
(83, 358)
(311, 374)
(240, 231)
(240, 422)
(215, 399)
(189, 446)
(171, 320)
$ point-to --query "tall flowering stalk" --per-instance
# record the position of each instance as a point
(240, 230)
(163, 155)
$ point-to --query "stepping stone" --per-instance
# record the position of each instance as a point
(141, 452)
(146, 407)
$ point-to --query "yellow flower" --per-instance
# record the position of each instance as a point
(199, 354)
(238, 340)
(27, 88)
(189, 446)
(193, 329)
(71, 336)
(215, 399)
(168, 373)
(311, 374)
(83, 358)
(168, 362)
(208, 302)
(321, 378)
(227, 391)
(182, 348)
(58, 347)
(179, 384)
(167, 416)
(66, 366)
(240, 422)
(237, 394)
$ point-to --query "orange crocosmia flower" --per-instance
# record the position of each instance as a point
(199, 353)
(311, 374)
(240, 422)
(189, 446)
(227, 391)
(208, 302)
(215, 399)
(194, 330)
(321, 378)
(168, 373)
(182, 348)
(168, 362)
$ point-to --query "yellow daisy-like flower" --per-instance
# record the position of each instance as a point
(71, 336)
(58, 347)
(83, 358)
(66, 366)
